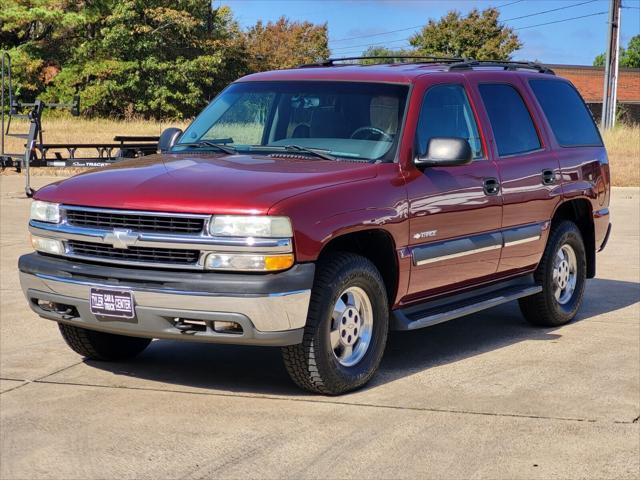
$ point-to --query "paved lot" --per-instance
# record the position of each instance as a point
(485, 396)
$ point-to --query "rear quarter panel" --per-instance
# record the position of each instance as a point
(584, 173)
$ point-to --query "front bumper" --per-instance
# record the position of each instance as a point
(271, 309)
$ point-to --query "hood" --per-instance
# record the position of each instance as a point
(202, 183)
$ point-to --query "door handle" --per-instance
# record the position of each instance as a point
(548, 177)
(491, 186)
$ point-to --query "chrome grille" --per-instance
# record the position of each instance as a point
(172, 256)
(146, 238)
(134, 221)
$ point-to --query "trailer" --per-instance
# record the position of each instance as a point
(37, 153)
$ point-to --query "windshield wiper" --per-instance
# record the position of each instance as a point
(208, 143)
(311, 151)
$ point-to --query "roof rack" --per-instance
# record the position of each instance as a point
(506, 65)
(331, 62)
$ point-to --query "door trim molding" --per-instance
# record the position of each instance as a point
(433, 252)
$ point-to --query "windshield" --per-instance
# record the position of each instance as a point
(342, 119)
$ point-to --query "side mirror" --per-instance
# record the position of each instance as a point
(168, 139)
(445, 152)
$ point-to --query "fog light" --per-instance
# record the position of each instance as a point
(248, 262)
(47, 245)
(227, 327)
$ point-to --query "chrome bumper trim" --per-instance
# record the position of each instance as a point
(274, 312)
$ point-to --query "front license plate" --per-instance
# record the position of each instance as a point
(112, 303)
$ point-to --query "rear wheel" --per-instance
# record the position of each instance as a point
(346, 330)
(102, 346)
(562, 273)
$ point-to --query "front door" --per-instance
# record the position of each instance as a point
(455, 212)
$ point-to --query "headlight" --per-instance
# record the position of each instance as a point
(45, 212)
(248, 262)
(47, 245)
(250, 226)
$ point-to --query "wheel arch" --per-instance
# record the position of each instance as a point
(580, 212)
(377, 245)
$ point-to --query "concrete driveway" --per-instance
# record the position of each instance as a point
(480, 397)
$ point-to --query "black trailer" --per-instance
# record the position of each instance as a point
(37, 153)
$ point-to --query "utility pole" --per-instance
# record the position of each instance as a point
(611, 67)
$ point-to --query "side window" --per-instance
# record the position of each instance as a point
(511, 122)
(446, 112)
(571, 122)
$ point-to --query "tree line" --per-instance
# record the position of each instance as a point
(148, 58)
(168, 58)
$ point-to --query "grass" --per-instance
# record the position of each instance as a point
(623, 147)
(78, 130)
(623, 142)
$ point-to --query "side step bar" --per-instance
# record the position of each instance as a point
(442, 310)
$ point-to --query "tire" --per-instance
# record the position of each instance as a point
(544, 308)
(102, 346)
(316, 364)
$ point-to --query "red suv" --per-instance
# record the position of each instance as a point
(317, 208)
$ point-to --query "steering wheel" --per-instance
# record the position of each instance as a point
(376, 131)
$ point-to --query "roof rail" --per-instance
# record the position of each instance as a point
(506, 65)
(331, 62)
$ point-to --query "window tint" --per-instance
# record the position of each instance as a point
(446, 113)
(512, 126)
(568, 116)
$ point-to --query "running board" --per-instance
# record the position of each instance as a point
(442, 310)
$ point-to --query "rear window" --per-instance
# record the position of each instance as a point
(511, 122)
(571, 122)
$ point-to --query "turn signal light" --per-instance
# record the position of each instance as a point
(248, 262)
(278, 262)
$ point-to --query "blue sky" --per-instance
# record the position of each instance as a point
(572, 42)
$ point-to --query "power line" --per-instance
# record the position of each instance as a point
(501, 6)
(510, 3)
(350, 47)
(377, 34)
(345, 49)
(564, 20)
(547, 11)
(408, 28)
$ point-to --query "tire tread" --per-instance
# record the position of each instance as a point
(301, 360)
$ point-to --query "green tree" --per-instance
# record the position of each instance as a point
(479, 35)
(40, 36)
(155, 58)
(384, 52)
(285, 44)
(628, 57)
(150, 58)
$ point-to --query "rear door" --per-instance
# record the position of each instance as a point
(455, 212)
(529, 171)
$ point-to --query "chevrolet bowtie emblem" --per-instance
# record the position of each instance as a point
(121, 238)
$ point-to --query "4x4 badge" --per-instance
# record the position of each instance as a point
(120, 238)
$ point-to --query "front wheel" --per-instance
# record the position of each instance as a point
(562, 273)
(346, 330)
